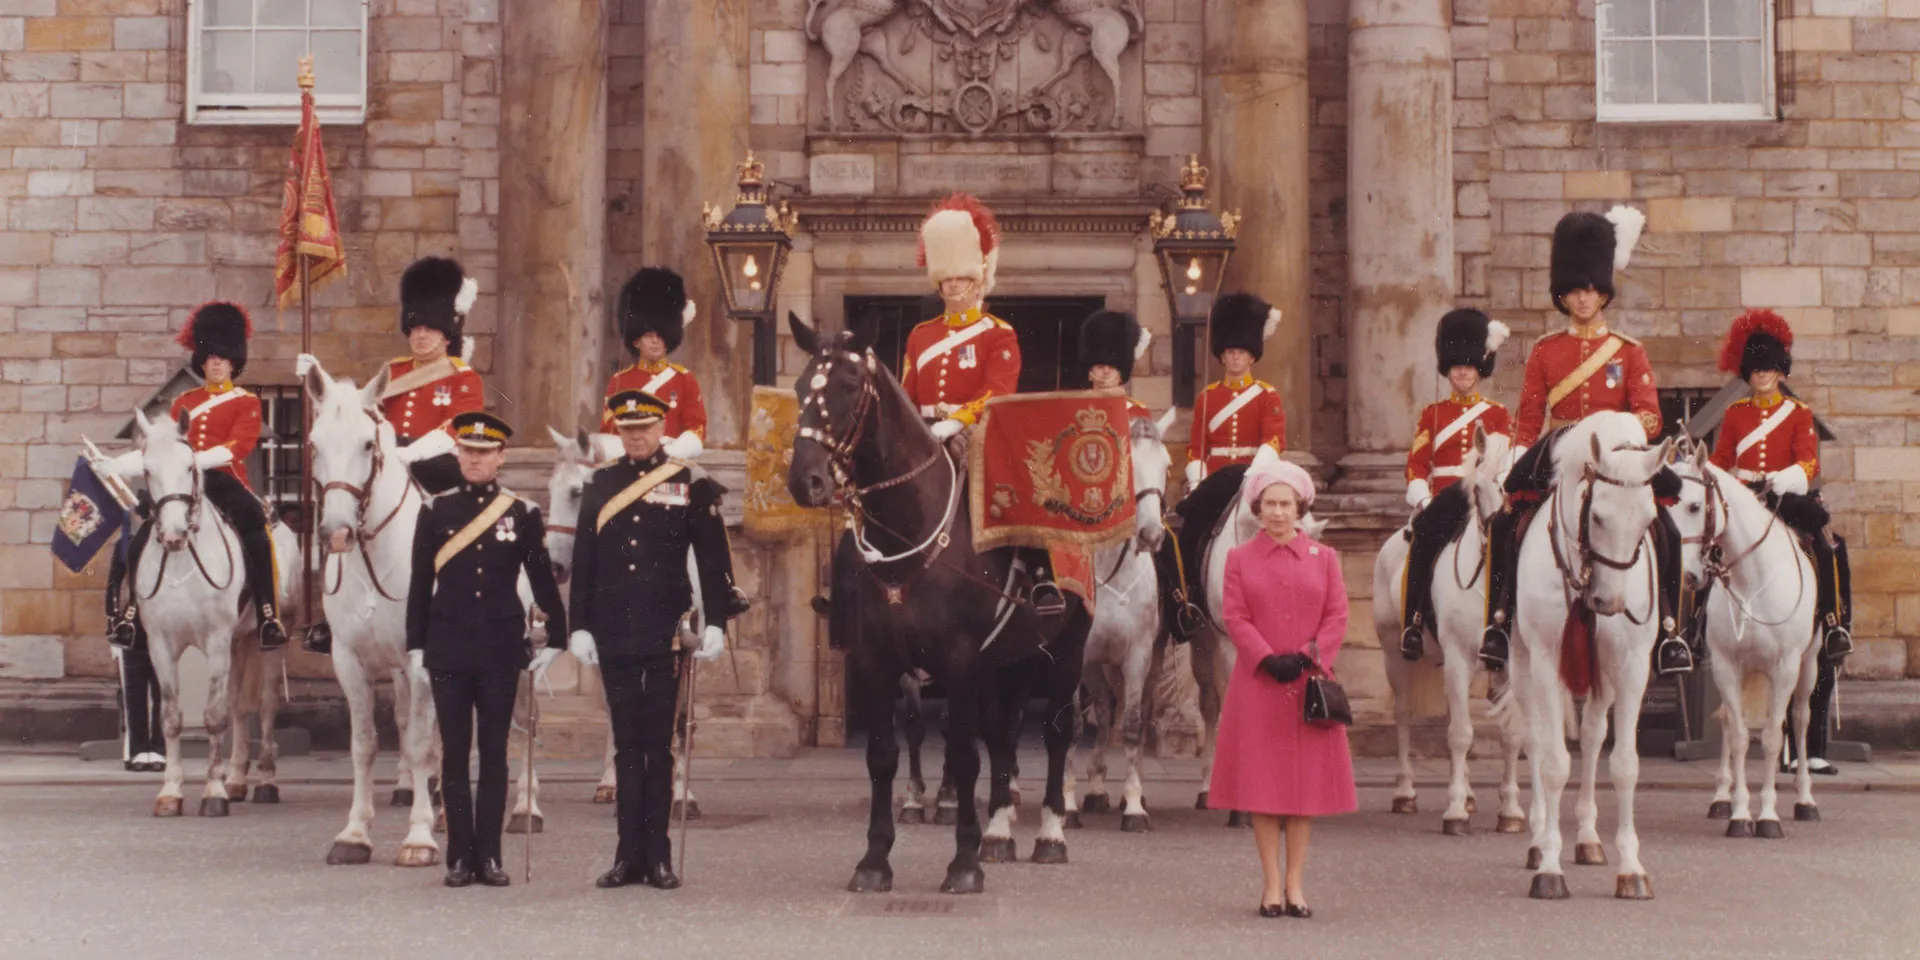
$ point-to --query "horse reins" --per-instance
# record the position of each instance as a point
(363, 500)
(1577, 582)
(193, 502)
(1720, 570)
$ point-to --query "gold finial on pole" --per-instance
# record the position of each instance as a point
(306, 73)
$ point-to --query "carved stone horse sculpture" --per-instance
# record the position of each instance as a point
(846, 29)
(930, 601)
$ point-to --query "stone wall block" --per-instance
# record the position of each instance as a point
(39, 657)
(1690, 214)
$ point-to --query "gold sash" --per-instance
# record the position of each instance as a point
(471, 532)
(1584, 372)
(419, 377)
(637, 489)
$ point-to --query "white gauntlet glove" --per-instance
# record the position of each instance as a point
(713, 643)
(127, 466)
(945, 429)
(306, 363)
(1196, 472)
(213, 457)
(432, 444)
(686, 446)
(543, 660)
(1791, 480)
(1506, 466)
(582, 647)
(1418, 493)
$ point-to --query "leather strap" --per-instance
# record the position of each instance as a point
(472, 531)
(1767, 426)
(419, 377)
(635, 490)
(1584, 372)
(1233, 406)
(948, 343)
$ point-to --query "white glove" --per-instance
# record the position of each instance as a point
(306, 363)
(543, 660)
(582, 647)
(713, 643)
(432, 444)
(945, 429)
(128, 465)
(686, 446)
(1418, 493)
(417, 665)
(1506, 466)
(1791, 480)
(1196, 471)
(213, 457)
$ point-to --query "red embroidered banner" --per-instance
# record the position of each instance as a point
(1052, 469)
(308, 225)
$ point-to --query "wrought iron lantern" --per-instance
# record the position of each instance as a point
(1192, 246)
(750, 245)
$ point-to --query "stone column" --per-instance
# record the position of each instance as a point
(1254, 87)
(696, 136)
(1399, 220)
(552, 212)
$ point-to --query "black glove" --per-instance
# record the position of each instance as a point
(1285, 668)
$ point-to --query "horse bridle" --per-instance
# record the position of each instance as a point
(1719, 569)
(1578, 581)
(363, 498)
(194, 501)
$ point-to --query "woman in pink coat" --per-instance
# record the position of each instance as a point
(1283, 591)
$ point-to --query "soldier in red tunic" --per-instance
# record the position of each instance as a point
(654, 313)
(1110, 343)
(1464, 344)
(222, 424)
(1582, 370)
(1768, 441)
(1232, 418)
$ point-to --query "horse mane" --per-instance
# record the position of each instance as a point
(1573, 452)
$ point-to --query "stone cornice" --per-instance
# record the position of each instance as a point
(1065, 217)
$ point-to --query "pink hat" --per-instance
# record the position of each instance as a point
(1267, 474)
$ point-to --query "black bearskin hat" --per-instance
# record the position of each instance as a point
(1240, 320)
(1112, 338)
(1588, 248)
(1466, 338)
(435, 292)
(217, 329)
(654, 301)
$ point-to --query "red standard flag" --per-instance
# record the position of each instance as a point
(308, 226)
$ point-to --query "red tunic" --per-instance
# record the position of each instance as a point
(1239, 435)
(1551, 398)
(228, 416)
(1792, 442)
(670, 382)
(432, 405)
(955, 363)
(1441, 463)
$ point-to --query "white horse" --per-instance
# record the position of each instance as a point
(1760, 620)
(367, 495)
(1452, 644)
(1589, 544)
(1126, 622)
(191, 587)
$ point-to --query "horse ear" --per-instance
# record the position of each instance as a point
(316, 383)
(1479, 439)
(560, 440)
(141, 425)
(585, 440)
(182, 423)
(1165, 422)
(864, 331)
(804, 337)
(1594, 444)
(370, 394)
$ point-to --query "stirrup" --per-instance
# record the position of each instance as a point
(1412, 645)
(1672, 657)
(1047, 600)
(273, 636)
(1188, 621)
(1836, 644)
(124, 629)
(318, 639)
(1493, 648)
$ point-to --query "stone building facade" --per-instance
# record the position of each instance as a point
(1390, 157)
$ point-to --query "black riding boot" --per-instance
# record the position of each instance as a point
(1833, 579)
(249, 519)
(1418, 587)
(1502, 554)
(1671, 655)
(122, 618)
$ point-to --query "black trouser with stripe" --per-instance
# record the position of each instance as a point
(473, 825)
(641, 697)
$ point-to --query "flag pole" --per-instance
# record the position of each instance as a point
(308, 509)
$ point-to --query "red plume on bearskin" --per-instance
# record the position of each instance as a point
(222, 312)
(1753, 321)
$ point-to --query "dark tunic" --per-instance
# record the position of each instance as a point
(468, 617)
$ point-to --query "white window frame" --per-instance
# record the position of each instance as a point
(1766, 110)
(269, 109)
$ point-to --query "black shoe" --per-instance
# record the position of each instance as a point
(459, 875)
(273, 636)
(319, 639)
(1672, 657)
(621, 875)
(491, 874)
(1835, 646)
(1298, 910)
(1272, 910)
(1048, 601)
(1412, 646)
(661, 877)
(1493, 648)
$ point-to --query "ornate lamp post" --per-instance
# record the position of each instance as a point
(1192, 247)
(750, 244)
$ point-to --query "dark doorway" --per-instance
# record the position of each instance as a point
(1049, 330)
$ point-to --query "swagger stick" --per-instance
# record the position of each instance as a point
(533, 731)
(686, 781)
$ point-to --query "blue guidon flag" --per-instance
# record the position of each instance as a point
(88, 518)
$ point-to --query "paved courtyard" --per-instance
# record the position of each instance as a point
(90, 874)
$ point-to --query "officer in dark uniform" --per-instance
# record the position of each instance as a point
(467, 633)
(638, 518)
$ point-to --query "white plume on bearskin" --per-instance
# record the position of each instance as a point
(1627, 224)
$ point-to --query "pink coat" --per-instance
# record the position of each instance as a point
(1269, 760)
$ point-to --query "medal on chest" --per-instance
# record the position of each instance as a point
(1615, 371)
(504, 530)
(443, 395)
(668, 495)
(968, 358)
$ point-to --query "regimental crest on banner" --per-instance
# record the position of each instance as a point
(1048, 469)
(80, 517)
(1091, 450)
(89, 515)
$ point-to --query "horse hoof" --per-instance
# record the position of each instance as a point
(213, 806)
(1049, 851)
(1096, 803)
(1406, 805)
(1720, 810)
(526, 823)
(945, 816)
(913, 814)
(1135, 823)
(871, 880)
(603, 794)
(1239, 818)
(418, 857)
(1806, 813)
(1508, 824)
(266, 793)
(965, 880)
(997, 850)
(1200, 801)
(349, 853)
(693, 809)
(237, 792)
(1072, 820)
(1637, 886)
(1549, 886)
(1473, 806)
(1769, 830)
(1456, 828)
(1534, 858)
(1740, 830)
(1589, 855)
(402, 797)
(167, 807)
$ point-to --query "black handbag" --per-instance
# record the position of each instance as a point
(1326, 700)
